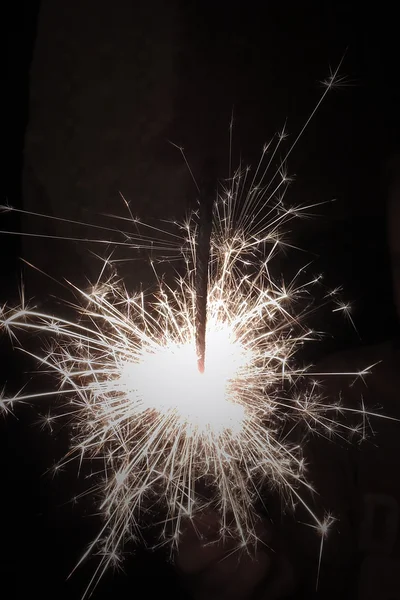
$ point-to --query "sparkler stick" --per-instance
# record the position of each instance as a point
(206, 204)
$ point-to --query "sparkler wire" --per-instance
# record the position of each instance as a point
(206, 205)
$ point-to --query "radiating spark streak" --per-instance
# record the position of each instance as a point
(132, 245)
(139, 238)
(331, 83)
(182, 151)
(143, 224)
(62, 219)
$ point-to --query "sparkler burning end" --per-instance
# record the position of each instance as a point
(160, 421)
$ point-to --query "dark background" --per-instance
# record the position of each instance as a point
(263, 59)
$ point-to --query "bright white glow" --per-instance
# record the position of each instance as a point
(168, 380)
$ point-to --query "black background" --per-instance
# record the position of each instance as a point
(265, 59)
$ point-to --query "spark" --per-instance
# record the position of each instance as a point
(171, 441)
(5, 403)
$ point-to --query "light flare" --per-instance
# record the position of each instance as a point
(163, 438)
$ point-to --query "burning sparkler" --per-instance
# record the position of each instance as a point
(159, 419)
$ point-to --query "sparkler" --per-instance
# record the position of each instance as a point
(162, 423)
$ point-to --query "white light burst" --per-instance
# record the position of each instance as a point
(163, 434)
